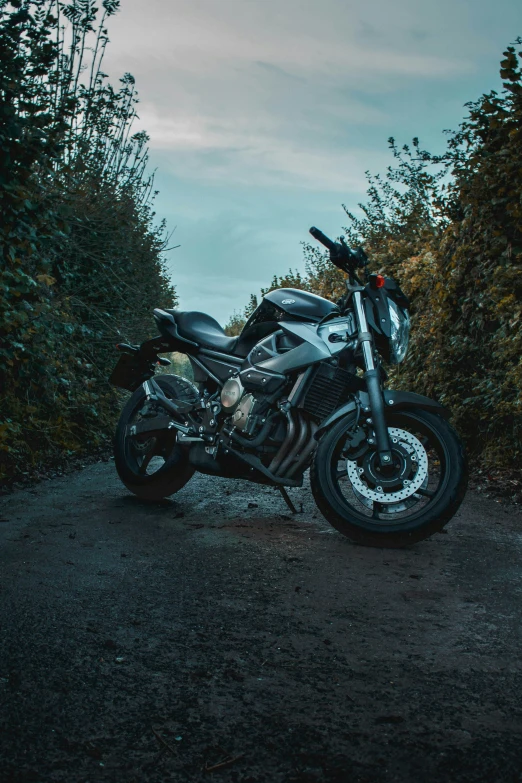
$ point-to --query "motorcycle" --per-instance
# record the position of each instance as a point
(302, 386)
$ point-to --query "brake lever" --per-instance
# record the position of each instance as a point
(362, 259)
(357, 257)
(342, 257)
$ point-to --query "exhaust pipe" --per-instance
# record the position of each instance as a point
(286, 444)
(306, 453)
(301, 440)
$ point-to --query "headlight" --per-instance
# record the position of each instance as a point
(400, 332)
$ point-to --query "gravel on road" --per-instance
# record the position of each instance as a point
(216, 636)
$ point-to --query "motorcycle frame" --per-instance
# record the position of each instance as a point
(311, 350)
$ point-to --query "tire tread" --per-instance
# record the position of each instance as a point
(437, 517)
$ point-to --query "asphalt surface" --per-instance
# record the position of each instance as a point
(217, 637)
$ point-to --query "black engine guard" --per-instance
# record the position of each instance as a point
(393, 399)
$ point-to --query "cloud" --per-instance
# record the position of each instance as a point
(278, 72)
(255, 105)
(270, 93)
(295, 36)
(210, 150)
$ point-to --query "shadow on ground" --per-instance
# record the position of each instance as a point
(217, 636)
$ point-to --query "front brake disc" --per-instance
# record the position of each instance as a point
(418, 456)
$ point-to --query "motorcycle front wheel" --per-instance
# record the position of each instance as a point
(386, 508)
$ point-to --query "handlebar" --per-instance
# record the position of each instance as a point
(340, 253)
(323, 239)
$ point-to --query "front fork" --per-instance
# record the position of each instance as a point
(373, 382)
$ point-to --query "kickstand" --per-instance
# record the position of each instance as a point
(287, 500)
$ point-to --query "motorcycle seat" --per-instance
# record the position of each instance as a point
(204, 330)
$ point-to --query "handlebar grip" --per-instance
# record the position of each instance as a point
(322, 238)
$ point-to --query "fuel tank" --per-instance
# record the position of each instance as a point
(291, 304)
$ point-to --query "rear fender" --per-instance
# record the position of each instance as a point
(396, 400)
(137, 364)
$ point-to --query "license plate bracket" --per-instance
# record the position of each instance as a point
(131, 371)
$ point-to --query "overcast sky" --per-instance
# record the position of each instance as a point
(265, 114)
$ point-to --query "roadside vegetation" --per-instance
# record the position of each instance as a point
(449, 229)
(82, 255)
(82, 258)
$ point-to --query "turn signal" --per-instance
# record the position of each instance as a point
(377, 281)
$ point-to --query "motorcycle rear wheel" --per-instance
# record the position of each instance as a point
(348, 506)
(152, 470)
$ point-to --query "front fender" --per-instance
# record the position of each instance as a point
(393, 399)
(404, 399)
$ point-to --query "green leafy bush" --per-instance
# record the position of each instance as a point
(81, 256)
(449, 229)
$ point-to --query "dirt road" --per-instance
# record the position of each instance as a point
(151, 643)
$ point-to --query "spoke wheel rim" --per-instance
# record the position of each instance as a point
(146, 458)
